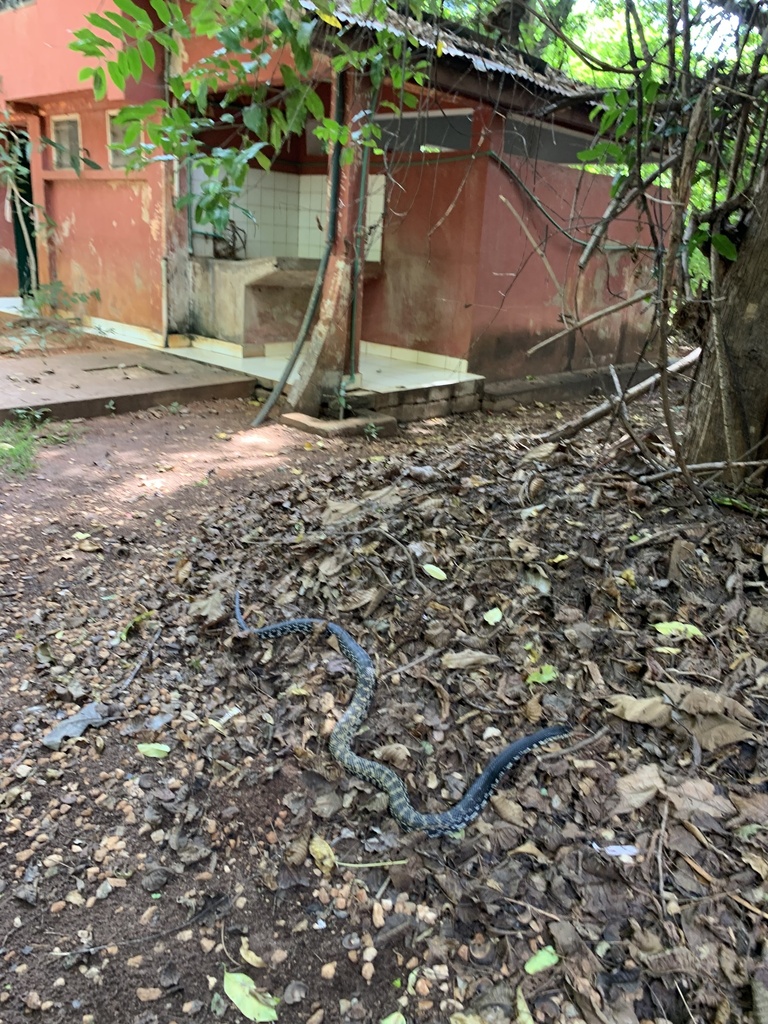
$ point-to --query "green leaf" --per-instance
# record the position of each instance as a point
(542, 961)
(135, 65)
(140, 16)
(726, 248)
(124, 24)
(147, 52)
(253, 1004)
(255, 119)
(493, 615)
(154, 749)
(434, 571)
(99, 84)
(116, 74)
(162, 10)
(107, 26)
(394, 1018)
(314, 105)
(651, 90)
(678, 630)
(545, 674)
(628, 121)
(595, 153)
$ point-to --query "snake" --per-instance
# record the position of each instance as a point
(382, 776)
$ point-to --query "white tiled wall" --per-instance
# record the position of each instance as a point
(289, 214)
(313, 206)
(272, 199)
(375, 216)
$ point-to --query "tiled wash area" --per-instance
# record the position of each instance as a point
(419, 386)
(250, 288)
(286, 216)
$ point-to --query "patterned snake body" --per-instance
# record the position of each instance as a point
(380, 775)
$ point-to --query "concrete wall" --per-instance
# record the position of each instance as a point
(431, 251)
(523, 291)
(110, 232)
(35, 59)
(465, 276)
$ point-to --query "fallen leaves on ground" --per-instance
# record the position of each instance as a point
(170, 806)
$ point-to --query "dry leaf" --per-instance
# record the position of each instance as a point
(467, 659)
(89, 545)
(247, 954)
(532, 850)
(322, 854)
(183, 570)
(714, 731)
(393, 753)
(696, 700)
(752, 810)
(508, 810)
(646, 710)
(360, 599)
(756, 862)
(698, 796)
(214, 608)
(638, 788)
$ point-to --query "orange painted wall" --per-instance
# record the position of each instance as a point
(110, 229)
(35, 59)
(517, 303)
(476, 288)
(423, 298)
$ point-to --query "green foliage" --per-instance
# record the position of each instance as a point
(220, 87)
(23, 434)
(54, 300)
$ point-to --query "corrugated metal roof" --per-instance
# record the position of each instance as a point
(486, 55)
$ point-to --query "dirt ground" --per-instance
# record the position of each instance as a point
(172, 820)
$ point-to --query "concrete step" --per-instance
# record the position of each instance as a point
(101, 383)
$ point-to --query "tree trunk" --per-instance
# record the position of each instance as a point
(327, 356)
(728, 414)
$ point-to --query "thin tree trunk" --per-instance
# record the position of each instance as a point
(728, 414)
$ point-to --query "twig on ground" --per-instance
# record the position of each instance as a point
(138, 666)
(573, 427)
(699, 467)
(624, 414)
(660, 849)
(671, 531)
(411, 664)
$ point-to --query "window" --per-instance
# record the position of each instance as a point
(116, 137)
(543, 141)
(427, 131)
(65, 135)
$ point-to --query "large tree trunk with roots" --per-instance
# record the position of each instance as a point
(728, 415)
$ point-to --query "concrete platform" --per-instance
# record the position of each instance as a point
(375, 424)
(100, 383)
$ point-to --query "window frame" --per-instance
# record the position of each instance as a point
(57, 155)
(111, 153)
